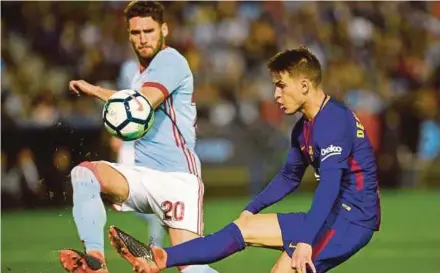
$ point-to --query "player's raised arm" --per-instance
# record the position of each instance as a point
(287, 180)
(82, 87)
(164, 75)
(335, 144)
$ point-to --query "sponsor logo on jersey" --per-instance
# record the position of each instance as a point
(330, 151)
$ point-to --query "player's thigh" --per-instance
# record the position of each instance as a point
(177, 200)
(178, 236)
(261, 230)
(337, 243)
(283, 265)
(114, 185)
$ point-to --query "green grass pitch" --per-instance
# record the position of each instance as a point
(409, 240)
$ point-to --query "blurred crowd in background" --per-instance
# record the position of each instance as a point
(381, 58)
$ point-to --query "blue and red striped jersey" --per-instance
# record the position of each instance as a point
(336, 145)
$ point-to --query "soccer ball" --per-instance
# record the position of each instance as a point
(128, 115)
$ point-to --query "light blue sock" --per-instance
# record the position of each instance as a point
(199, 269)
(155, 228)
(88, 209)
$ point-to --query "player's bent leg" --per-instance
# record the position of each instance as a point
(178, 236)
(258, 230)
(262, 230)
(89, 180)
(283, 265)
(114, 185)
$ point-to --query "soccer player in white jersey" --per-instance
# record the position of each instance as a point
(166, 178)
(126, 151)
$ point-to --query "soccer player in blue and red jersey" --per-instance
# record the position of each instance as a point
(345, 211)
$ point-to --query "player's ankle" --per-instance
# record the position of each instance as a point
(96, 253)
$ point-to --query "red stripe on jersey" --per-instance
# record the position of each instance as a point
(179, 138)
(323, 243)
(200, 205)
(172, 124)
(378, 210)
(356, 169)
(193, 160)
(159, 86)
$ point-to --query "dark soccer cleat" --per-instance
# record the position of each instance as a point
(79, 262)
(143, 258)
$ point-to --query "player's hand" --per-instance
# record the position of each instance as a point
(302, 256)
(82, 87)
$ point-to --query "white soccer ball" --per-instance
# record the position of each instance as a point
(128, 115)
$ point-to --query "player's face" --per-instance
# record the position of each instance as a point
(290, 92)
(147, 36)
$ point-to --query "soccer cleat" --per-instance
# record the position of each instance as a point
(79, 262)
(145, 259)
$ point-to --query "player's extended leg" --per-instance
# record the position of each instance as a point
(89, 180)
(179, 236)
(257, 230)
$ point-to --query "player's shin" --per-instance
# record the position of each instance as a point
(88, 209)
(211, 248)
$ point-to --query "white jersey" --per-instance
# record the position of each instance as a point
(170, 144)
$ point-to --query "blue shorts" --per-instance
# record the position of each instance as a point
(337, 240)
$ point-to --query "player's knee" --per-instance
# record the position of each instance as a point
(276, 269)
(84, 171)
(245, 226)
(282, 268)
(114, 185)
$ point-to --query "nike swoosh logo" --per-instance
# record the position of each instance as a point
(292, 246)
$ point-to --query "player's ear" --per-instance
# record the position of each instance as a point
(164, 29)
(305, 86)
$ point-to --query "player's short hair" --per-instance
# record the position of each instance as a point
(152, 9)
(298, 61)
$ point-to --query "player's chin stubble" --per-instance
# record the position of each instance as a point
(156, 50)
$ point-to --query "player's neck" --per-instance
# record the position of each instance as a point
(314, 104)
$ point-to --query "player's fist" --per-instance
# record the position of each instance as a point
(82, 87)
(302, 256)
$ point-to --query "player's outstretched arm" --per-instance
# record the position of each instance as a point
(82, 87)
(325, 197)
(286, 181)
(153, 94)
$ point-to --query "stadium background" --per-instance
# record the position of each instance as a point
(382, 59)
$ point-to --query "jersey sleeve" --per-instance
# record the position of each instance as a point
(334, 142)
(166, 72)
